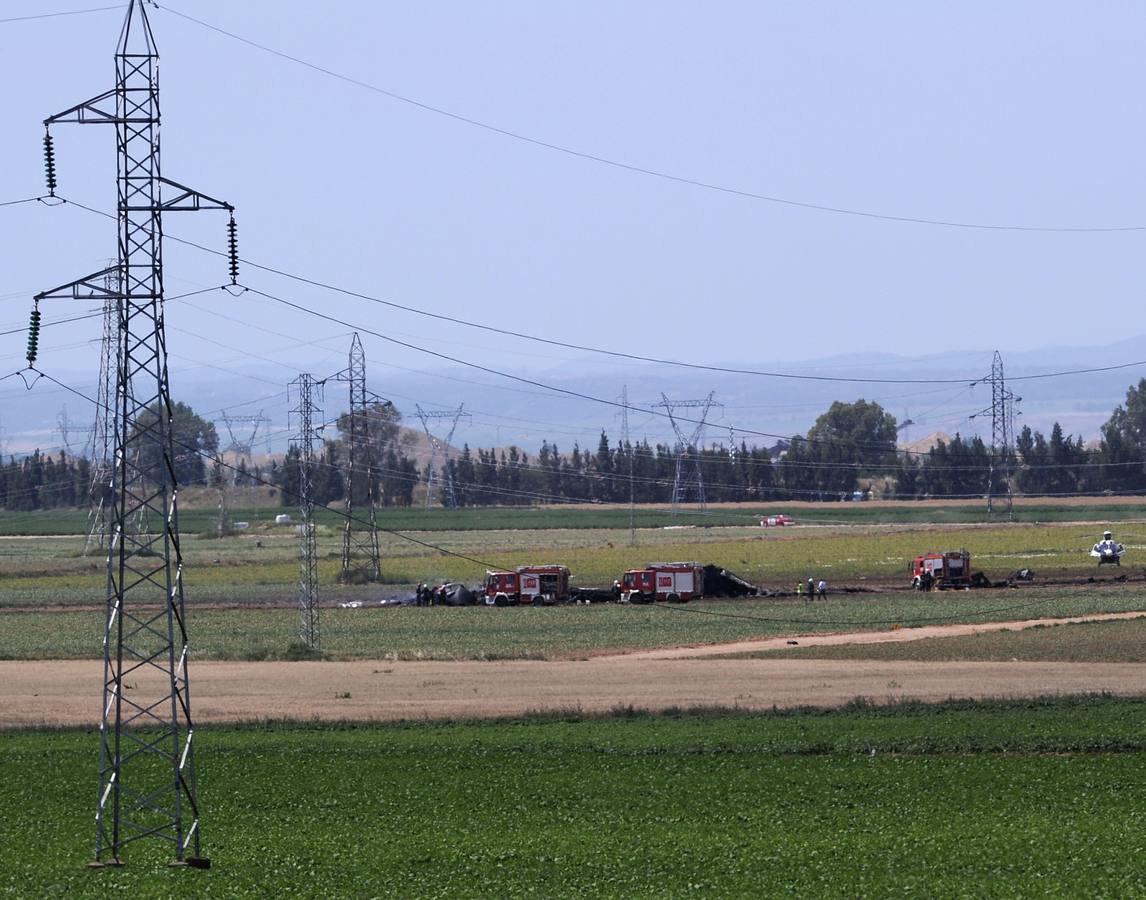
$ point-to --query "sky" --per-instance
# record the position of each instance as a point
(595, 173)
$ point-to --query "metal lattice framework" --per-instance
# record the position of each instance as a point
(627, 444)
(452, 416)
(104, 425)
(243, 432)
(147, 779)
(307, 413)
(360, 556)
(1002, 435)
(689, 479)
(65, 427)
(240, 447)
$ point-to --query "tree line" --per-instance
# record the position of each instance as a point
(851, 448)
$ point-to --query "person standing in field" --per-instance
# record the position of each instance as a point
(822, 589)
(799, 589)
(811, 589)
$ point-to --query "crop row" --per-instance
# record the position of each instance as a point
(850, 804)
(529, 633)
(774, 559)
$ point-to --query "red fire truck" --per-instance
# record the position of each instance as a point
(676, 582)
(949, 569)
(527, 584)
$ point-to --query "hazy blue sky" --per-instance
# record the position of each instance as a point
(1017, 113)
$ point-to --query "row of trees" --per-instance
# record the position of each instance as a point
(851, 447)
(43, 482)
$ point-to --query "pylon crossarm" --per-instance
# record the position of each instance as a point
(90, 112)
(186, 200)
(90, 287)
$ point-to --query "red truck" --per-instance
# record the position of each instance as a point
(941, 570)
(533, 585)
(675, 582)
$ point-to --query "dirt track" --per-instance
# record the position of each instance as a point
(67, 692)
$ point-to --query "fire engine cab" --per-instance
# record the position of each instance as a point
(527, 584)
(674, 582)
(949, 569)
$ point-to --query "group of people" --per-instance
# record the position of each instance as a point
(426, 595)
(811, 588)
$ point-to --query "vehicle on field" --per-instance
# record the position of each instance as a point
(1108, 551)
(941, 570)
(531, 585)
(776, 521)
(676, 582)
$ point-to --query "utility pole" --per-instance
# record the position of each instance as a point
(147, 779)
(452, 416)
(307, 412)
(360, 557)
(689, 478)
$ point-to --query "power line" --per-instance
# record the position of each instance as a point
(539, 384)
(666, 608)
(211, 458)
(728, 370)
(642, 170)
(26, 199)
(54, 15)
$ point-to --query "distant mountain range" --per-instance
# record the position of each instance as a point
(759, 410)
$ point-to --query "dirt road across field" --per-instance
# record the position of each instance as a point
(871, 637)
(58, 693)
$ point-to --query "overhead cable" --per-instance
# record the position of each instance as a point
(643, 170)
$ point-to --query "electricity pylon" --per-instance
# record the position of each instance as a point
(147, 749)
(689, 477)
(452, 415)
(104, 425)
(307, 412)
(240, 449)
(65, 428)
(360, 556)
(242, 441)
(627, 444)
(1002, 434)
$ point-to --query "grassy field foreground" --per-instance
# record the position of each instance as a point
(1005, 799)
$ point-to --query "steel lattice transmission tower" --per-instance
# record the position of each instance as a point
(360, 557)
(689, 478)
(1002, 434)
(104, 425)
(629, 450)
(147, 748)
(452, 415)
(307, 412)
(242, 443)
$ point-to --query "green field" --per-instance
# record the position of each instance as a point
(262, 566)
(958, 799)
(1004, 799)
(526, 633)
(203, 520)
